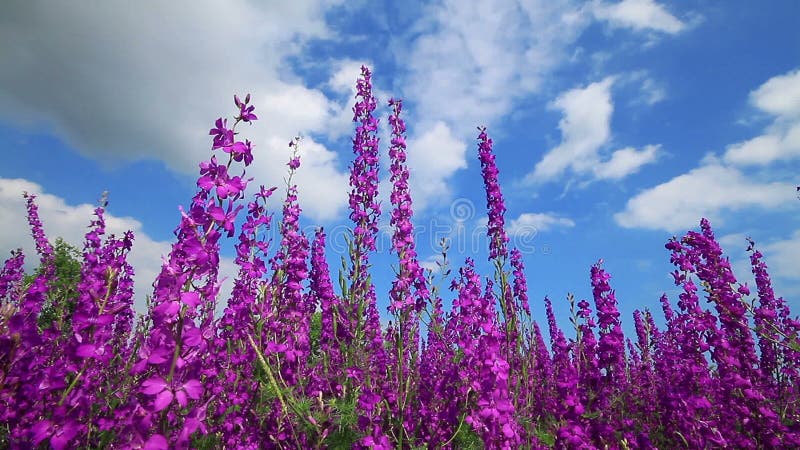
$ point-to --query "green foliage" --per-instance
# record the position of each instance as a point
(346, 419)
(466, 438)
(206, 442)
(315, 332)
(60, 303)
(545, 437)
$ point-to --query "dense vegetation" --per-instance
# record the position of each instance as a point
(294, 362)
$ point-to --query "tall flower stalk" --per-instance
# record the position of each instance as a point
(408, 295)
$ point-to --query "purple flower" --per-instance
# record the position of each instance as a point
(59, 435)
(494, 197)
(245, 110)
(223, 136)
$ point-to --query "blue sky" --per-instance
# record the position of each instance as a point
(616, 124)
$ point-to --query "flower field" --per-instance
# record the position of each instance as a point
(299, 357)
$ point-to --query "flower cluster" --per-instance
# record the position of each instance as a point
(287, 360)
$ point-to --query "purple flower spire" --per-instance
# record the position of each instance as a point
(14, 326)
(92, 356)
(767, 328)
(43, 247)
(572, 432)
(174, 359)
(410, 273)
(10, 277)
(643, 384)
(325, 380)
(365, 355)
(778, 334)
(611, 345)
(26, 352)
(540, 372)
(734, 348)
(364, 207)
(494, 197)
(520, 281)
(403, 304)
(438, 413)
(290, 303)
(236, 411)
(683, 365)
(483, 369)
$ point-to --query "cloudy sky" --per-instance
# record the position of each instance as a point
(616, 124)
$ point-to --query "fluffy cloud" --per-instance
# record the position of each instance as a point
(470, 77)
(625, 162)
(533, 223)
(585, 127)
(718, 185)
(638, 15)
(463, 76)
(706, 191)
(776, 144)
(322, 189)
(433, 157)
(781, 256)
(585, 130)
(779, 97)
(70, 222)
(651, 91)
(174, 67)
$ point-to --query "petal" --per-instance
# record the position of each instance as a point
(191, 335)
(105, 319)
(153, 385)
(158, 356)
(58, 442)
(84, 351)
(193, 388)
(191, 298)
(163, 399)
(41, 431)
(180, 396)
(156, 442)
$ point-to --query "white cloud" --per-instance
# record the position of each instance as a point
(705, 191)
(720, 185)
(533, 223)
(344, 76)
(732, 242)
(433, 157)
(652, 91)
(432, 263)
(121, 81)
(342, 81)
(780, 97)
(625, 162)
(70, 222)
(638, 15)
(585, 129)
(781, 256)
(322, 190)
(466, 75)
(775, 145)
